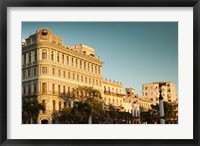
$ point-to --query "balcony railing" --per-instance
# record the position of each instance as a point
(113, 94)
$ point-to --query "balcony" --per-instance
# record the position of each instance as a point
(113, 94)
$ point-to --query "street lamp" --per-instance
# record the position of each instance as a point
(161, 106)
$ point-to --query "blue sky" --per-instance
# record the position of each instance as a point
(134, 53)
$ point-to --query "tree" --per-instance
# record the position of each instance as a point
(87, 102)
(152, 115)
(30, 110)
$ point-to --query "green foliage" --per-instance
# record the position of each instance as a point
(87, 102)
(152, 115)
(30, 109)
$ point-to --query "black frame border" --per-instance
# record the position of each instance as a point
(4, 4)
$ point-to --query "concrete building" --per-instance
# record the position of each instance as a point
(151, 91)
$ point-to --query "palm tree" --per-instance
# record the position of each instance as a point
(30, 109)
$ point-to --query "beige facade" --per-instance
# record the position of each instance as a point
(50, 70)
(151, 91)
(112, 93)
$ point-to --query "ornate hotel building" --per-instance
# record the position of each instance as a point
(50, 70)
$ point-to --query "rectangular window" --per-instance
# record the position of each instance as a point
(67, 60)
(63, 58)
(64, 74)
(44, 70)
(63, 89)
(88, 66)
(52, 55)
(34, 71)
(73, 76)
(29, 73)
(81, 78)
(54, 105)
(97, 82)
(92, 68)
(80, 64)
(84, 66)
(99, 71)
(35, 55)
(89, 80)
(72, 61)
(95, 69)
(44, 54)
(53, 71)
(29, 57)
(93, 81)
(104, 88)
(68, 75)
(65, 104)
(58, 88)
(58, 57)
(76, 62)
(59, 105)
(29, 89)
(68, 89)
(35, 88)
(24, 74)
(44, 105)
(53, 88)
(77, 77)
(24, 58)
(85, 79)
(24, 89)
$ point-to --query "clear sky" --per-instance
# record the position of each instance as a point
(133, 53)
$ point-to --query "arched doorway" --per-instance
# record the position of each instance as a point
(45, 121)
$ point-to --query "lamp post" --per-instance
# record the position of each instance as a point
(161, 106)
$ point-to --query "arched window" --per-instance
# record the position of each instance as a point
(44, 87)
(44, 54)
